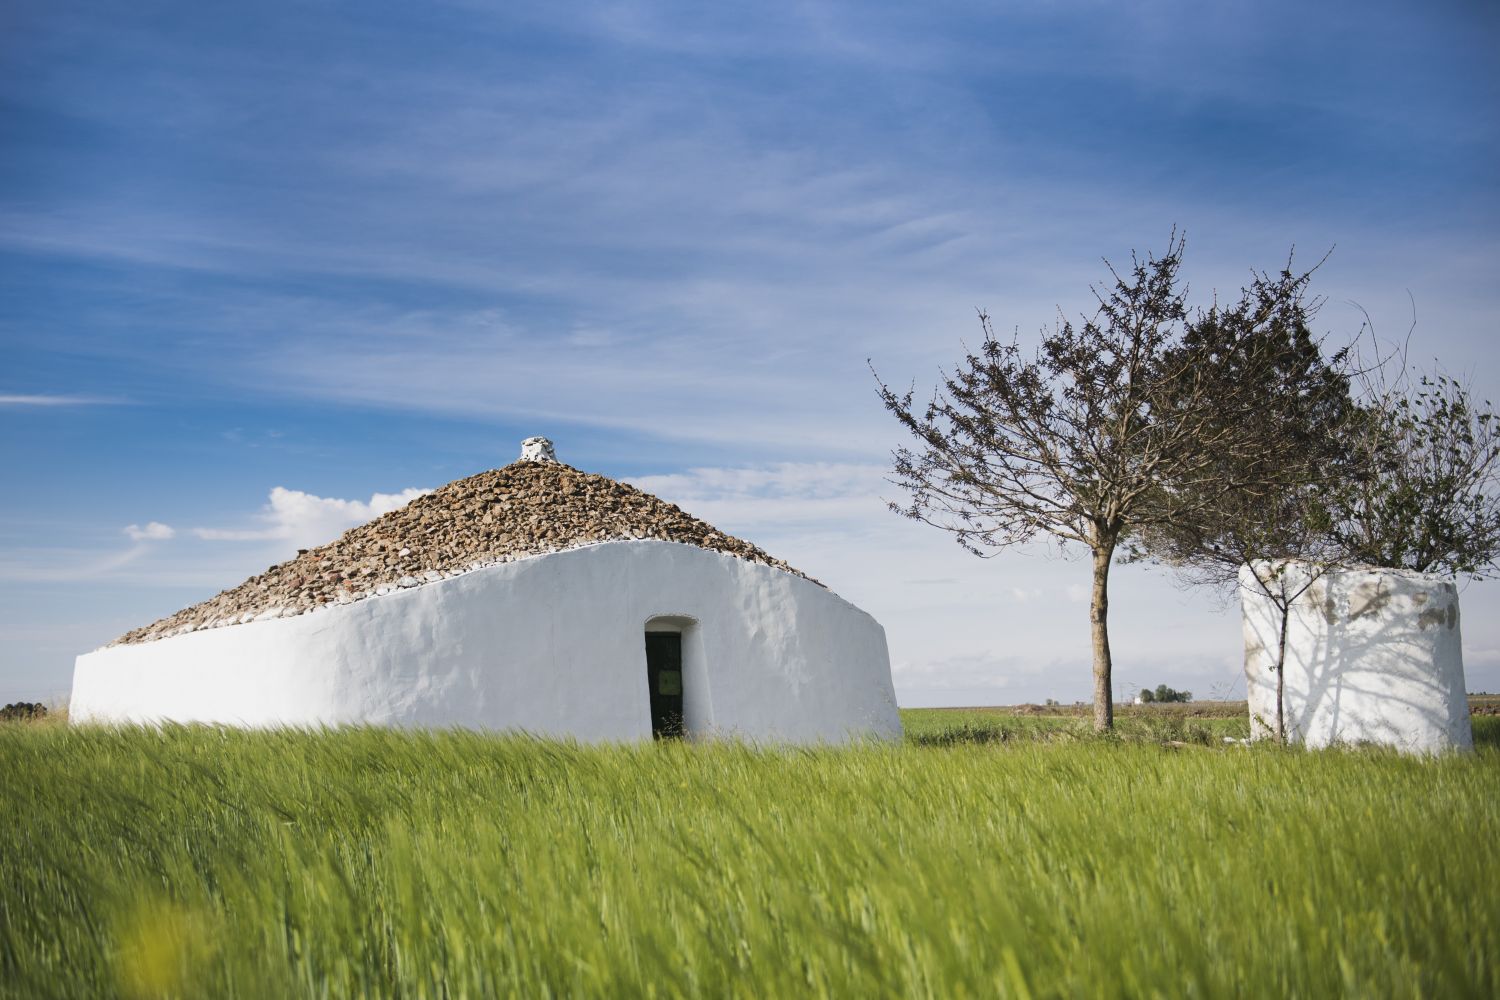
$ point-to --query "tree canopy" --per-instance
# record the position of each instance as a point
(1142, 416)
(1429, 496)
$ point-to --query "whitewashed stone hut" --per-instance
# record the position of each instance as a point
(533, 597)
(1372, 656)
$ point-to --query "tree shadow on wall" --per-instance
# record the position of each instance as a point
(1352, 684)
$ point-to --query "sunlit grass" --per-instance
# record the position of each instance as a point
(206, 862)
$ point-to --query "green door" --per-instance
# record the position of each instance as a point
(664, 674)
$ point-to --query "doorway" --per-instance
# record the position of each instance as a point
(664, 676)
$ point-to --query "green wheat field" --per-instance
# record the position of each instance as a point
(991, 854)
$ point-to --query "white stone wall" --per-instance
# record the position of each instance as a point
(553, 645)
(1372, 655)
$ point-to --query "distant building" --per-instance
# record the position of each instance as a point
(533, 597)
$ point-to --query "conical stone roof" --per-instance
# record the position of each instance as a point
(525, 509)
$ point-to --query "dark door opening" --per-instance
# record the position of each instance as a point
(664, 674)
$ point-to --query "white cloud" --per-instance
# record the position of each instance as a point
(304, 519)
(154, 531)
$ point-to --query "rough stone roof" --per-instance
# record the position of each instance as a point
(526, 508)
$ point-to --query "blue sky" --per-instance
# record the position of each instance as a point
(343, 251)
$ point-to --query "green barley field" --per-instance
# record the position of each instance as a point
(991, 854)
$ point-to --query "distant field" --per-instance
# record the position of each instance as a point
(1192, 709)
(995, 853)
(1484, 704)
(1205, 724)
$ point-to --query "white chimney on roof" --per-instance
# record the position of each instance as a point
(537, 449)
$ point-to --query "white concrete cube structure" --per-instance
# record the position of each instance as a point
(518, 599)
(1372, 656)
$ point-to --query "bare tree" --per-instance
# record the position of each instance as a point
(1076, 441)
(1260, 521)
(1374, 465)
(1430, 497)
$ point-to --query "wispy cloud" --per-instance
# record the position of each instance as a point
(66, 565)
(14, 399)
(33, 564)
(713, 261)
(154, 531)
(778, 496)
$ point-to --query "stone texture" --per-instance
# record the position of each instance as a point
(526, 508)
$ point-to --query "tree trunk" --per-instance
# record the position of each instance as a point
(1104, 704)
(1286, 611)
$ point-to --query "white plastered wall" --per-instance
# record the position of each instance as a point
(1372, 655)
(553, 645)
